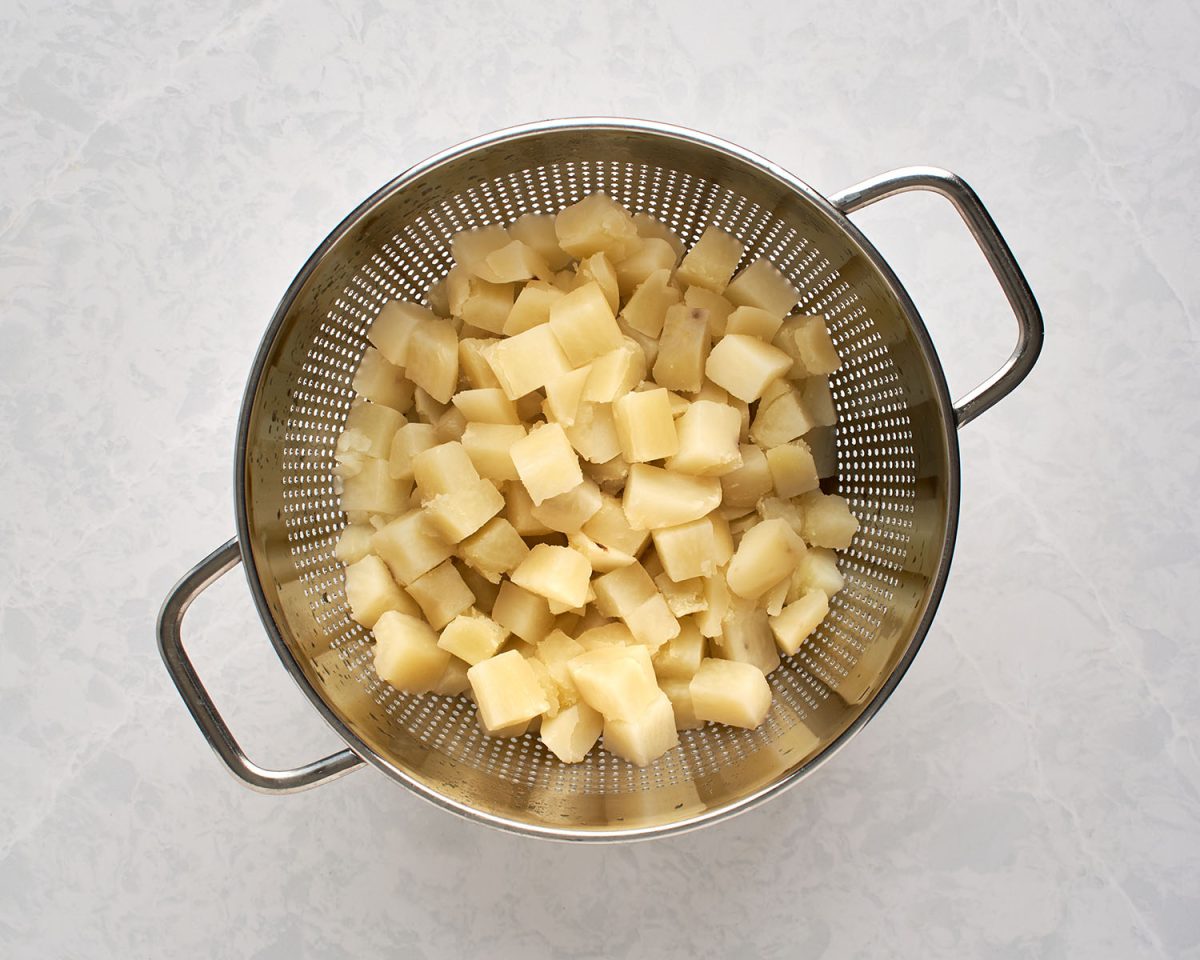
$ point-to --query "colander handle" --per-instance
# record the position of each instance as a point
(999, 257)
(200, 704)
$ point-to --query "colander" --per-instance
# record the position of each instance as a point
(897, 465)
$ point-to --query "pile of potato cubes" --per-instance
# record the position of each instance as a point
(577, 486)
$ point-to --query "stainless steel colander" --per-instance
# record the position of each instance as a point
(897, 456)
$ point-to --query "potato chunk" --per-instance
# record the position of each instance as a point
(354, 542)
(371, 592)
(599, 269)
(623, 590)
(516, 261)
(594, 432)
(679, 692)
(431, 358)
(618, 681)
(717, 307)
(406, 653)
(506, 691)
(817, 571)
(682, 349)
(441, 594)
(645, 427)
(814, 346)
(382, 382)
(410, 440)
(458, 514)
(724, 691)
(687, 550)
(545, 462)
(711, 262)
(537, 231)
(708, 440)
(645, 738)
(486, 405)
(828, 521)
(374, 424)
(793, 471)
(568, 512)
(798, 620)
(472, 364)
(652, 255)
(410, 546)
(472, 637)
(649, 227)
(682, 597)
(557, 573)
(571, 734)
(781, 416)
(646, 310)
(614, 374)
(761, 285)
(489, 447)
(744, 486)
(531, 308)
(391, 330)
(746, 636)
(680, 658)
(655, 497)
(527, 361)
(768, 552)
(754, 322)
(442, 469)
(745, 365)
(564, 393)
(495, 549)
(373, 490)
(596, 224)
(470, 248)
(584, 324)
(522, 613)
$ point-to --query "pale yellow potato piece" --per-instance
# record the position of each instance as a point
(621, 591)
(754, 322)
(507, 691)
(683, 349)
(527, 361)
(410, 440)
(679, 658)
(687, 550)
(484, 306)
(608, 634)
(458, 514)
(391, 330)
(472, 637)
(373, 490)
(489, 447)
(450, 425)
(682, 598)
(486, 405)
(441, 594)
(532, 307)
(516, 261)
(648, 344)
(817, 399)
(616, 680)
(371, 592)
(472, 364)
(711, 392)
(708, 440)
(646, 737)
(352, 449)
(354, 542)
(649, 227)
(594, 432)
(410, 546)
(549, 687)
(571, 734)
(495, 549)
(711, 262)
(520, 512)
(556, 650)
(760, 284)
(781, 416)
(736, 694)
(793, 470)
(789, 511)
(537, 231)
(442, 469)
(814, 346)
(767, 554)
(679, 692)
(376, 424)
(817, 571)
(427, 409)
(652, 623)
(828, 521)
(654, 497)
(615, 373)
(744, 366)
(746, 636)
(546, 463)
(470, 248)
(564, 393)
(749, 482)
(717, 306)
(596, 224)
(584, 325)
(453, 682)
(653, 254)
(716, 604)
(522, 613)
(382, 382)
(599, 269)
(511, 732)
(603, 559)
(432, 358)
(645, 427)
(568, 512)
(609, 475)
(647, 308)
(556, 573)
(799, 619)
(407, 655)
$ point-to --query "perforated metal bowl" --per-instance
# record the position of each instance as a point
(897, 458)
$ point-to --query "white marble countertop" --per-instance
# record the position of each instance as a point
(1032, 789)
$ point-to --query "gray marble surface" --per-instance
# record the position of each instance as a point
(1032, 789)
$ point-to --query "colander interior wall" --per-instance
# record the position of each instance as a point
(894, 468)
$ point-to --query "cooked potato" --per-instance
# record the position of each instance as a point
(745, 365)
(432, 358)
(391, 330)
(616, 680)
(406, 653)
(796, 622)
(458, 514)
(593, 435)
(495, 549)
(472, 637)
(793, 470)
(598, 269)
(754, 322)
(584, 324)
(371, 592)
(564, 393)
(645, 427)
(522, 613)
(708, 440)
(489, 447)
(652, 255)
(615, 373)
(646, 737)
(382, 382)
(761, 285)
(767, 553)
(828, 521)
(537, 231)
(571, 734)
(441, 594)
(506, 691)
(717, 307)
(596, 224)
(752, 480)
(724, 691)
(545, 462)
(568, 512)
(557, 573)
(687, 550)
(410, 546)
(680, 658)
(646, 310)
(711, 262)
(527, 361)
(655, 497)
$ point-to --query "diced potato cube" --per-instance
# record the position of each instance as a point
(506, 691)
(754, 322)
(532, 307)
(454, 680)
(752, 480)
(770, 508)
(556, 650)
(687, 550)
(828, 521)
(646, 310)
(522, 613)
(649, 227)
(599, 269)
(717, 306)
(472, 637)
(410, 546)
(817, 399)
(474, 367)
(716, 604)
(486, 405)
(443, 469)
(450, 425)
(610, 528)
(495, 549)
(679, 658)
(679, 692)
(470, 248)
(655, 497)
(645, 427)
(615, 373)
(485, 590)
(391, 330)
(527, 361)
(376, 424)
(568, 512)
(682, 349)
(571, 734)
(817, 571)
(606, 635)
(410, 440)
(584, 325)
(545, 462)
(373, 490)
(406, 653)
(596, 224)
(623, 590)
(745, 365)
(382, 382)
(652, 623)
(648, 344)
(537, 230)
(724, 691)
(511, 732)
(563, 394)
(761, 285)
(798, 620)
(793, 471)
(371, 592)
(652, 255)
(556, 573)
(781, 417)
(485, 306)
(352, 449)
(516, 261)
(354, 542)
(594, 432)
(643, 739)
(746, 636)
(768, 552)
(814, 346)
(432, 358)
(426, 408)
(711, 262)
(441, 594)
(708, 440)
(520, 512)
(603, 559)
(489, 447)
(458, 514)
(682, 598)
(610, 475)
(618, 681)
